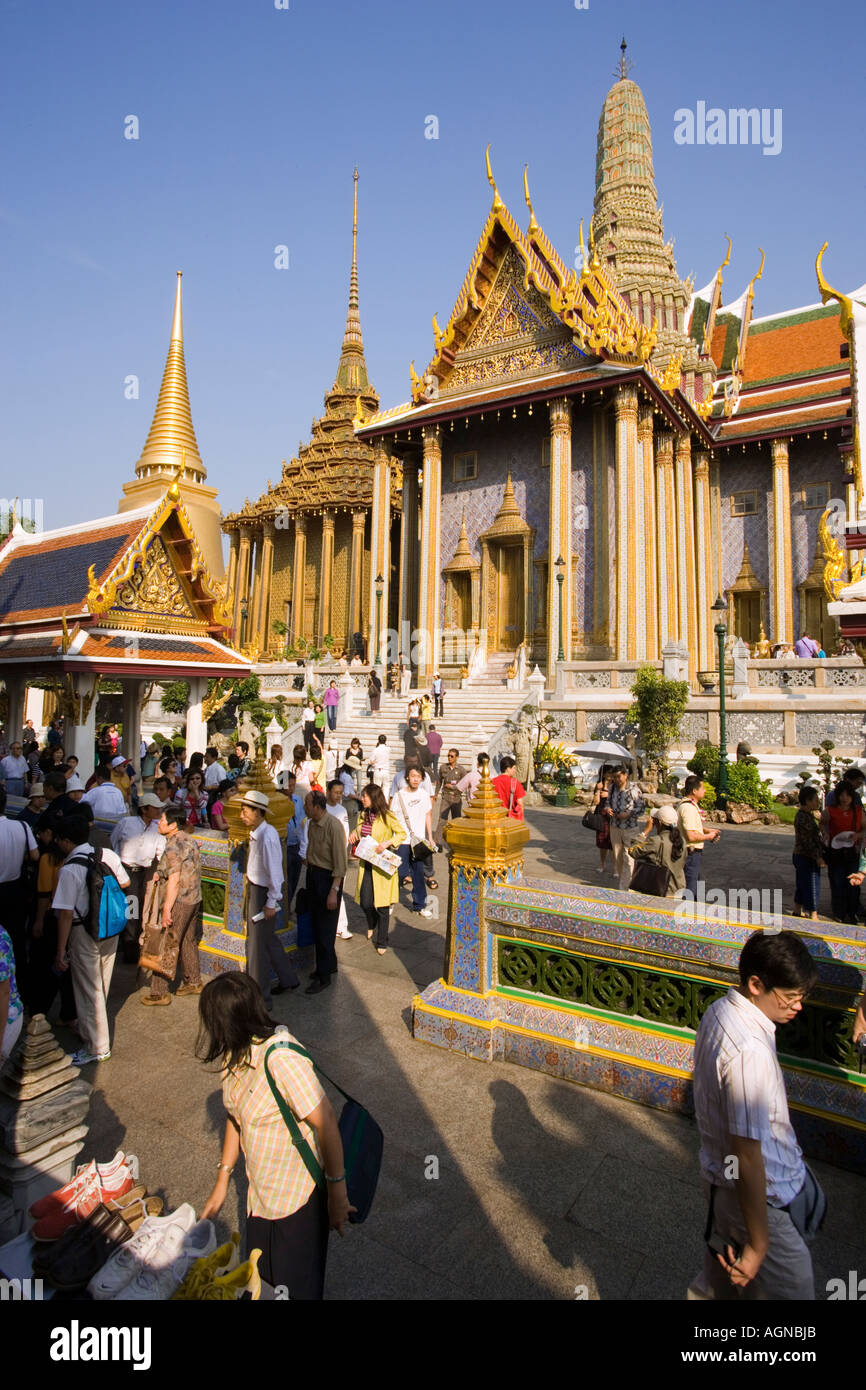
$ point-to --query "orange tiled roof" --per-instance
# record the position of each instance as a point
(793, 346)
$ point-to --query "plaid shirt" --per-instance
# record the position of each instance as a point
(279, 1183)
(627, 798)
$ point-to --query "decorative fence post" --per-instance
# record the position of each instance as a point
(487, 846)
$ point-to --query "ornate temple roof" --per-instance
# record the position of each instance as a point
(628, 227)
(335, 469)
(104, 595)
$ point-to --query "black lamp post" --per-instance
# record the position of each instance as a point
(720, 608)
(244, 612)
(379, 590)
(560, 579)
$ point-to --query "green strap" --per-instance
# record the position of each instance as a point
(311, 1163)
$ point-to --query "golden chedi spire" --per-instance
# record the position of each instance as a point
(352, 371)
(171, 443)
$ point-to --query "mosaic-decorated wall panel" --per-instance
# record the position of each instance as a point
(846, 730)
(749, 472)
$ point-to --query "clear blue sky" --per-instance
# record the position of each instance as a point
(251, 120)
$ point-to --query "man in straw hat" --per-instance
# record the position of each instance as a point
(264, 893)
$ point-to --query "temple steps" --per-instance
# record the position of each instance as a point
(471, 718)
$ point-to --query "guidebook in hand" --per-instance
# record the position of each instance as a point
(383, 859)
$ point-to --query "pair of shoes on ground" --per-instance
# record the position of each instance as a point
(219, 1276)
(93, 1184)
(163, 999)
(70, 1262)
(284, 989)
(154, 1262)
(424, 911)
(344, 935)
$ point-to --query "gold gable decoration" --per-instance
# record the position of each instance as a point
(154, 589)
(145, 572)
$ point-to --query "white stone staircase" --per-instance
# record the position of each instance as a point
(493, 674)
(471, 718)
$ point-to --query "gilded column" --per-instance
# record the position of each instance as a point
(267, 570)
(299, 565)
(255, 591)
(704, 560)
(601, 566)
(559, 542)
(408, 605)
(231, 577)
(716, 524)
(630, 573)
(783, 579)
(687, 584)
(666, 540)
(380, 553)
(356, 573)
(649, 649)
(431, 559)
(243, 577)
(326, 585)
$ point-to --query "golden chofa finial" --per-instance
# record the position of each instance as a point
(846, 317)
(582, 247)
(174, 489)
(727, 259)
(497, 201)
(755, 278)
(533, 225)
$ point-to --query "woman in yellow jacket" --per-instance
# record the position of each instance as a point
(377, 890)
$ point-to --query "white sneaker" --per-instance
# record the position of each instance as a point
(426, 912)
(83, 1057)
(157, 1283)
(345, 935)
(157, 1243)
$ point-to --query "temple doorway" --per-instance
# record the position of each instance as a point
(508, 625)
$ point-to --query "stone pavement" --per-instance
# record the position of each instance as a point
(497, 1182)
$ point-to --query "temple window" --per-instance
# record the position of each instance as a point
(744, 504)
(816, 496)
(465, 467)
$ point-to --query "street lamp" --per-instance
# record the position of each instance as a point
(379, 590)
(720, 608)
(560, 579)
(244, 612)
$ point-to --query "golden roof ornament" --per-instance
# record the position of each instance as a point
(533, 225)
(485, 841)
(280, 807)
(498, 204)
(171, 438)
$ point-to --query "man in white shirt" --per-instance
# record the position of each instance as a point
(265, 955)
(750, 1160)
(17, 846)
(14, 771)
(399, 779)
(90, 961)
(139, 845)
(413, 807)
(214, 770)
(104, 798)
(691, 829)
(336, 809)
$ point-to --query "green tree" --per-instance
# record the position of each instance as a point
(175, 697)
(657, 708)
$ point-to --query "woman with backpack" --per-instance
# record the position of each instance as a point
(173, 908)
(664, 851)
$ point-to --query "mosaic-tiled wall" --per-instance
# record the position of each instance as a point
(581, 530)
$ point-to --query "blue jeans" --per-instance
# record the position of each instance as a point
(415, 868)
(692, 869)
(331, 712)
(807, 891)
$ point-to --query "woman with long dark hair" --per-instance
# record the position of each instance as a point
(288, 1214)
(377, 890)
(842, 827)
(193, 798)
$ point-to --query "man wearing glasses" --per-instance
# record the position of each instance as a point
(762, 1197)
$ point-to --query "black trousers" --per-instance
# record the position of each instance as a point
(44, 984)
(294, 1249)
(293, 873)
(129, 941)
(324, 921)
(378, 918)
(438, 705)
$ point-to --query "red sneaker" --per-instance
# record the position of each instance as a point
(110, 1175)
(84, 1197)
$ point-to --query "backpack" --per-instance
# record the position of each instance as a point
(106, 916)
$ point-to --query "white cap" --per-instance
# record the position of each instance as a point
(260, 801)
(119, 761)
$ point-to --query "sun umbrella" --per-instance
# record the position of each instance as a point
(602, 750)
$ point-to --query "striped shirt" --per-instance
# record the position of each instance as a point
(739, 1090)
(279, 1182)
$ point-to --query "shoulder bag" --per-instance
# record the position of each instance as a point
(419, 850)
(362, 1139)
(594, 820)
